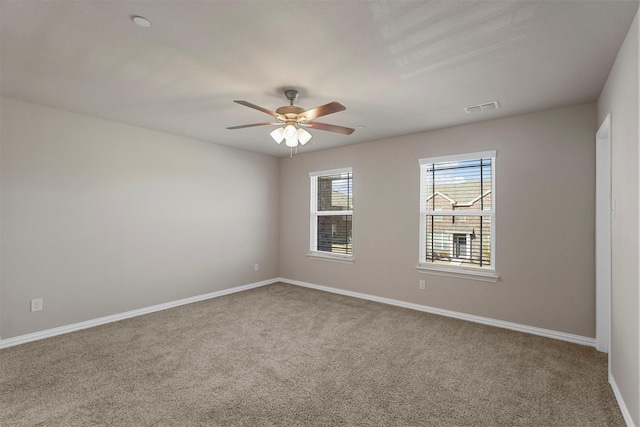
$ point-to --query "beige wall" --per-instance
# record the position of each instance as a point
(99, 218)
(620, 97)
(545, 172)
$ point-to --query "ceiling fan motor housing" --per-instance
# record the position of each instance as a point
(290, 112)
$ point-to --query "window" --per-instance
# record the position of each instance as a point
(457, 215)
(331, 214)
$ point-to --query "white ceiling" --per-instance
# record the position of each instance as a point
(399, 67)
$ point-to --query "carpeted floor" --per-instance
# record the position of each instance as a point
(285, 355)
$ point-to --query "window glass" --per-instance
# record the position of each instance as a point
(457, 212)
(332, 212)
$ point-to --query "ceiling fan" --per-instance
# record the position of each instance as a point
(294, 119)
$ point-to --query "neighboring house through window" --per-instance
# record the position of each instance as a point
(331, 214)
(457, 215)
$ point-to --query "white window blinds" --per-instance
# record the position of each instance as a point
(457, 212)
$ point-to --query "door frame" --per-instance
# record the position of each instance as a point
(604, 213)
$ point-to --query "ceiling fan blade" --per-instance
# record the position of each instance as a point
(257, 107)
(255, 124)
(331, 128)
(323, 110)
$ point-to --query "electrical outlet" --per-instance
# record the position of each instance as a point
(255, 267)
(423, 286)
(36, 304)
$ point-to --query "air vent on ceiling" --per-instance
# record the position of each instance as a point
(488, 106)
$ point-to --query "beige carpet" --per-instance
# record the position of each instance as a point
(284, 355)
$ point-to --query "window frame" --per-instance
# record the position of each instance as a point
(314, 253)
(477, 273)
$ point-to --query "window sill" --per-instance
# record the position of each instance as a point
(332, 258)
(484, 276)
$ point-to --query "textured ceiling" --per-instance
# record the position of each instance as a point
(399, 67)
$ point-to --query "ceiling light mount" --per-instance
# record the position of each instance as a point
(141, 21)
(292, 95)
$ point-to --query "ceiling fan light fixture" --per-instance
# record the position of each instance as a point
(291, 118)
(290, 131)
(278, 135)
(291, 136)
(291, 142)
(303, 136)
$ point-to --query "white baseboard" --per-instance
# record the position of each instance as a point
(577, 339)
(22, 339)
(621, 403)
(434, 310)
